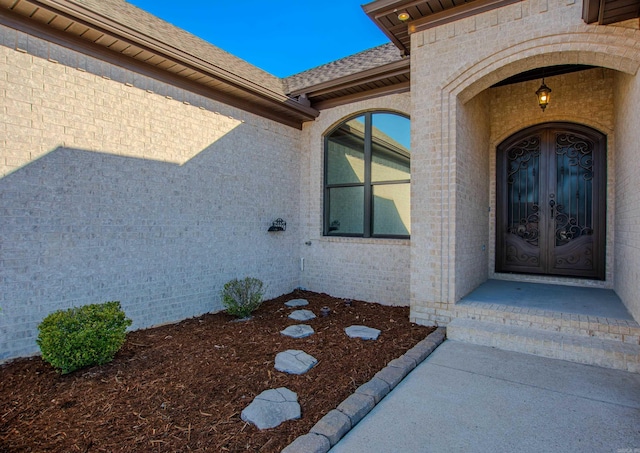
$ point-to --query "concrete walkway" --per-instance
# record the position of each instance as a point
(469, 398)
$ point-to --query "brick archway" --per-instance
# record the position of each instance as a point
(595, 49)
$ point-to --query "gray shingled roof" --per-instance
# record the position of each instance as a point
(368, 59)
(121, 12)
(146, 23)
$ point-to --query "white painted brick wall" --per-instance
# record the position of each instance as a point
(627, 214)
(472, 196)
(112, 192)
(375, 270)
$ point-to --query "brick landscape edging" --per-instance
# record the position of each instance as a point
(338, 422)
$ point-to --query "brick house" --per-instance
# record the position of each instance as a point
(141, 164)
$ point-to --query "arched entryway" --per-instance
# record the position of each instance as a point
(551, 201)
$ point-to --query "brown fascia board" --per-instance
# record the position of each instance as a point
(376, 10)
(457, 13)
(371, 75)
(595, 11)
(110, 27)
(592, 10)
(373, 11)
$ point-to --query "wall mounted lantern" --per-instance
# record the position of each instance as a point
(544, 95)
(278, 225)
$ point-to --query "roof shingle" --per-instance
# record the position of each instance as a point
(163, 35)
(362, 61)
(142, 22)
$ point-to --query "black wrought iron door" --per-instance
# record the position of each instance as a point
(551, 201)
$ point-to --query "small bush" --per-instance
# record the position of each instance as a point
(242, 297)
(82, 336)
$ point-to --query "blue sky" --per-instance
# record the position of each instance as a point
(282, 37)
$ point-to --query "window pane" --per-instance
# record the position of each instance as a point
(390, 148)
(391, 209)
(346, 210)
(345, 149)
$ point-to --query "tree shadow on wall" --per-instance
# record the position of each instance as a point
(80, 227)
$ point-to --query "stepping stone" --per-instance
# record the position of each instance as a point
(294, 361)
(297, 303)
(364, 332)
(302, 315)
(271, 408)
(298, 331)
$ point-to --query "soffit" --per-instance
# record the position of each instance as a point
(390, 79)
(423, 14)
(134, 34)
(541, 73)
(374, 72)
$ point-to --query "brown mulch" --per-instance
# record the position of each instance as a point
(182, 387)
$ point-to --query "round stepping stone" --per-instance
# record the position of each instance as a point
(297, 303)
(294, 361)
(298, 331)
(364, 332)
(302, 315)
(271, 408)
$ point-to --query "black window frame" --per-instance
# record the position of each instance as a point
(367, 185)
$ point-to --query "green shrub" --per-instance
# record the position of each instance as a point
(242, 297)
(82, 336)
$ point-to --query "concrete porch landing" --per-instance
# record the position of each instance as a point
(584, 325)
(469, 398)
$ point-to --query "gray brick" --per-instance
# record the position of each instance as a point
(356, 407)
(309, 443)
(391, 375)
(404, 362)
(333, 426)
(375, 388)
(421, 350)
(438, 335)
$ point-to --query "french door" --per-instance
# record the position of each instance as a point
(551, 201)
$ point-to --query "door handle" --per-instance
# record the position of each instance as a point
(552, 203)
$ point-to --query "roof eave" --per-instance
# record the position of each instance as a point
(333, 93)
(113, 28)
(397, 67)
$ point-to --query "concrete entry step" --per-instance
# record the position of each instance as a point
(589, 325)
(588, 350)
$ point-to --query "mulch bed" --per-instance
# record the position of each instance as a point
(182, 387)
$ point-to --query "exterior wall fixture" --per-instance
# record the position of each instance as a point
(544, 95)
(278, 225)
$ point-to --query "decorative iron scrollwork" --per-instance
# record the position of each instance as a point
(516, 256)
(523, 172)
(527, 228)
(573, 213)
(520, 157)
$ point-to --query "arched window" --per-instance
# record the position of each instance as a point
(367, 177)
